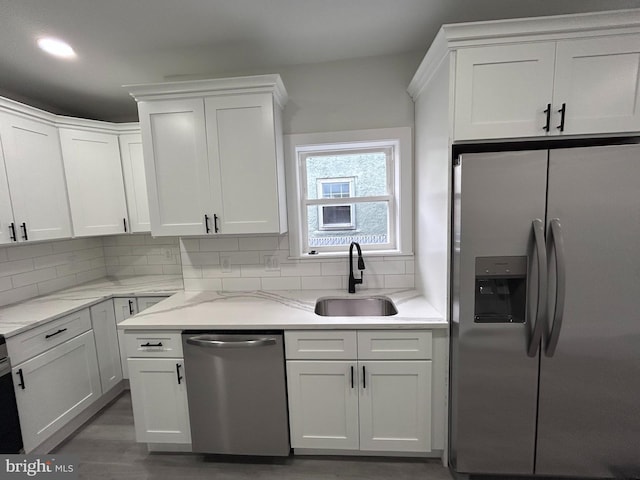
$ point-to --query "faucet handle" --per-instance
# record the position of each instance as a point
(360, 263)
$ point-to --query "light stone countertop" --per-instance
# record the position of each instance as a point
(291, 309)
(22, 316)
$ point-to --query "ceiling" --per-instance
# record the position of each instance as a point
(143, 41)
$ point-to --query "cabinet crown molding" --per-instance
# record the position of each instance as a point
(220, 86)
(533, 29)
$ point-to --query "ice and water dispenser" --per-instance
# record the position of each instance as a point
(500, 290)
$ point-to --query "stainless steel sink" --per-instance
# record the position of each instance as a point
(355, 307)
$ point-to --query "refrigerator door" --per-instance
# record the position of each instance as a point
(589, 408)
(497, 196)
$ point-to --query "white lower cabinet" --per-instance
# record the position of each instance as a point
(323, 404)
(103, 321)
(54, 387)
(395, 406)
(126, 307)
(361, 403)
(159, 397)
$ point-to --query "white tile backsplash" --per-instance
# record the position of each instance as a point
(202, 260)
(27, 271)
(141, 254)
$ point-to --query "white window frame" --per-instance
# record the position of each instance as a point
(351, 182)
(400, 203)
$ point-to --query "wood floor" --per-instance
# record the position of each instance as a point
(107, 449)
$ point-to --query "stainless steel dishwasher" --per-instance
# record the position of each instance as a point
(237, 393)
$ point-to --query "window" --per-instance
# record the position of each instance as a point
(336, 217)
(349, 191)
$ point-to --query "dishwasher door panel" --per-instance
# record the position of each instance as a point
(237, 393)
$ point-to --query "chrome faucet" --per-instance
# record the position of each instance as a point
(353, 281)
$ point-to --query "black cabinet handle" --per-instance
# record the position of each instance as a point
(130, 307)
(562, 113)
(124, 221)
(364, 377)
(548, 112)
(206, 223)
(215, 223)
(21, 384)
(12, 232)
(24, 231)
(56, 333)
(178, 372)
(159, 344)
(351, 376)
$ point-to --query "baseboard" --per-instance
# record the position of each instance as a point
(83, 417)
(367, 453)
(170, 447)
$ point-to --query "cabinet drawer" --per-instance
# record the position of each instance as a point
(395, 345)
(153, 344)
(320, 345)
(39, 339)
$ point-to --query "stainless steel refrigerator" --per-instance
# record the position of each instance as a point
(545, 332)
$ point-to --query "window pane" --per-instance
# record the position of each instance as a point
(368, 172)
(370, 224)
(339, 214)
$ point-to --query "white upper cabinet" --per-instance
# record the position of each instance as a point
(7, 223)
(135, 183)
(94, 180)
(501, 91)
(176, 165)
(598, 81)
(213, 155)
(538, 77)
(36, 178)
(242, 150)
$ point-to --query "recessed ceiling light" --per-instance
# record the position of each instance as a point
(56, 47)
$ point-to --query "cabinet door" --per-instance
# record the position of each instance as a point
(242, 152)
(395, 406)
(502, 91)
(6, 211)
(323, 404)
(103, 320)
(94, 180)
(36, 178)
(176, 166)
(124, 308)
(58, 385)
(599, 81)
(135, 183)
(160, 409)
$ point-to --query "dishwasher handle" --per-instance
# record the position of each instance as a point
(206, 341)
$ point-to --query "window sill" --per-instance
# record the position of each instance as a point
(345, 254)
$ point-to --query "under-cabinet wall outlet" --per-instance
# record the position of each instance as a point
(271, 263)
(225, 264)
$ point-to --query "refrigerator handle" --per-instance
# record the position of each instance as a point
(541, 254)
(558, 311)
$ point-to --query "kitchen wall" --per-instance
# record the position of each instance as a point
(38, 269)
(141, 254)
(255, 263)
(354, 94)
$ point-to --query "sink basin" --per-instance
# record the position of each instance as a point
(355, 307)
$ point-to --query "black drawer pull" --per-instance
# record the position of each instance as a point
(12, 234)
(56, 333)
(124, 221)
(178, 372)
(159, 344)
(21, 384)
(215, 223)
(562, 113)
(130, 307)
(548, 112)
(24, 231)
(351, 376)
(364, 377)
